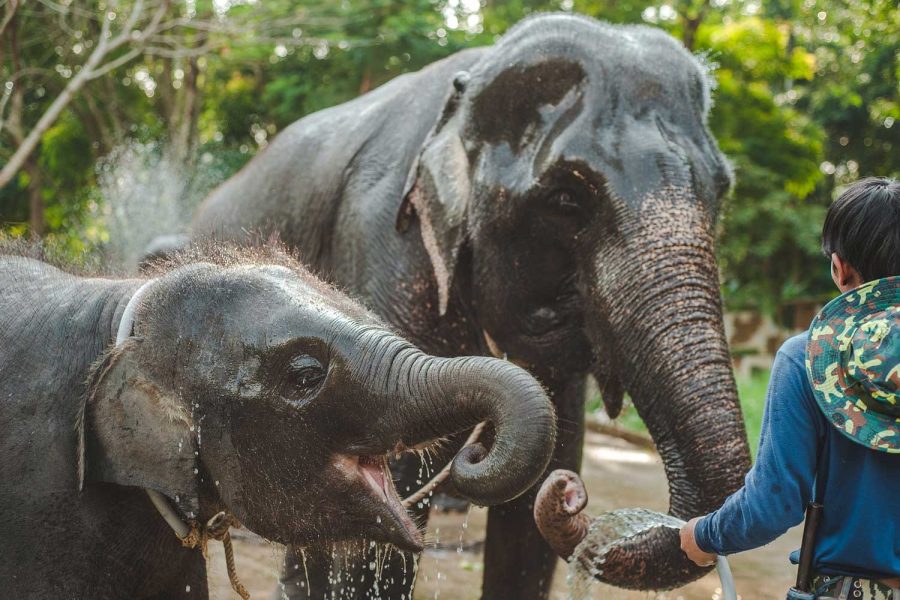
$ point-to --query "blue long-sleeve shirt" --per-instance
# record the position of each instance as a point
(860, 529)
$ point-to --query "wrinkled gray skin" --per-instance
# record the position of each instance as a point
(246, 387)
(558, 511)
(552, 197)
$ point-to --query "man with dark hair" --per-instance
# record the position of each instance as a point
(862, 229)
(831, 427)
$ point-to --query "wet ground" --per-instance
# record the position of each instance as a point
(617, 474)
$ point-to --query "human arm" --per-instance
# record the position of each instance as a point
(778, 487)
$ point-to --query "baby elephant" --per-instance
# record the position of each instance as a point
(241, 384)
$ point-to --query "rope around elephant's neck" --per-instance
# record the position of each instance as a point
(191, 534)
(443, 473)
(217, 528)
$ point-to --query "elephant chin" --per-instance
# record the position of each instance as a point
(632, 549)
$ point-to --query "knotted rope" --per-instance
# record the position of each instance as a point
(217, 529)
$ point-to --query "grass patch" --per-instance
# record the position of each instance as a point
(752, 394)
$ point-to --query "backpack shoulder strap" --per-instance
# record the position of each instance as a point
(822, 460)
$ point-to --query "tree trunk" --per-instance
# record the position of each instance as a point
(37, 225)
(366, 84)
(692, 24)
(188, 112)
(92, 68)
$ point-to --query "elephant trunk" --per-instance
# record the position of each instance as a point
(558, 511)
(432, 397)
(669, 335)
(689, 404)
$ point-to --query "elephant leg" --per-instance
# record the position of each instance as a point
(334, 572)
(518, 563)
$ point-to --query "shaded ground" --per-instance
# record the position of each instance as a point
(617, 475)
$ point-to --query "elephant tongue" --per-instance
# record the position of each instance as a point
(372, 469)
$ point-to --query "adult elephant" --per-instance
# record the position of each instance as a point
(552, 198)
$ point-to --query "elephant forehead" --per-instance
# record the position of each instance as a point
(288, 288)
(587, 40)
(302, 305)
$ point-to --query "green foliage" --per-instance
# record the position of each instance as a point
(66, 152)
(770, 241)
(752, 394)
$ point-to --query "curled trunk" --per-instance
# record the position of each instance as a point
(688, 399)
(432, 397)
(600, 545)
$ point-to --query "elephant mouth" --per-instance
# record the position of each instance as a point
(374, 472)
(391, 518)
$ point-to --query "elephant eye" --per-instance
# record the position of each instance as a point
(565, 201)
(305, 374)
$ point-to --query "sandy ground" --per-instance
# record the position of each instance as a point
(617, 475)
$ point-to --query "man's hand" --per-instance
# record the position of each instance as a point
(690, 547)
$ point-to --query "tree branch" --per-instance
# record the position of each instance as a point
(88, 71)
(11, 8)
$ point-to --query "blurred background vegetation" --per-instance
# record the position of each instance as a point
(184, 92)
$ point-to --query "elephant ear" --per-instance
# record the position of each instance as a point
(132, 433)
(437, 191)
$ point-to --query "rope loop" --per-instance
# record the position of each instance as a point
(217, 529)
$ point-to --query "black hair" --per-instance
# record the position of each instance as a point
(863, 227)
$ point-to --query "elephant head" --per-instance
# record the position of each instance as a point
(571, 186)
(251, 387)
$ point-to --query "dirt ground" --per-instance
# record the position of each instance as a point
(617, 475)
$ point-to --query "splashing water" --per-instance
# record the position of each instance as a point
(146, 192)
(607, 530)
